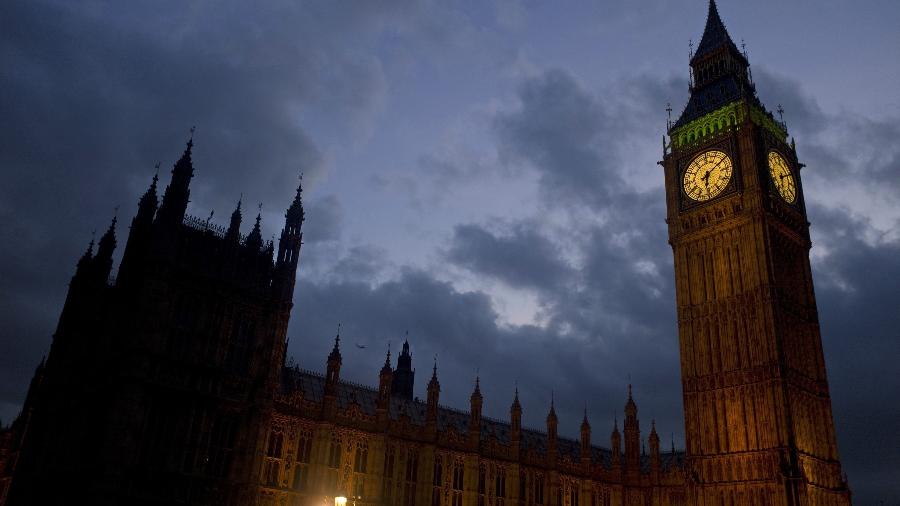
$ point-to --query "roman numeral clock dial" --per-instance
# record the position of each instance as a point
(707, 175)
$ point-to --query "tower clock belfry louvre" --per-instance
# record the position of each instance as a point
(758, 421)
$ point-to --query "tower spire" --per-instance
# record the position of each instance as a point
(234, 226)
(254, 238)
(105, 248)
(177, 194)
(289, 245)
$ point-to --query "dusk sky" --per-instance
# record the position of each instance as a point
(480, 174)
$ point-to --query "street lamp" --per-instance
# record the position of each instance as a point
(340, 501)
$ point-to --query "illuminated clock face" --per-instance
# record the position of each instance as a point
(707, 175)
(782, 177)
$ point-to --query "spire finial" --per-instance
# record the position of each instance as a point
(434, 369)
(193, 129)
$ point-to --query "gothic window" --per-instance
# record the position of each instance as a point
(334, 464)
(457, 492)
(412, 475)
(301, 466)
(500, 486)
(389, 460)
(436, 480)
(539, 489)
(482, 484)
(360, 464)
(573, 495)
(523, 487)
(304, 446)
(272, 466)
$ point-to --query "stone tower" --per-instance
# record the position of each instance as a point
(758, 420)
(160, 382)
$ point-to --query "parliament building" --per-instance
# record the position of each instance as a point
(168, 384)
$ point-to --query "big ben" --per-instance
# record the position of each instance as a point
(758, 420)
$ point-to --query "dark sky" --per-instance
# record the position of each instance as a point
(480, 174)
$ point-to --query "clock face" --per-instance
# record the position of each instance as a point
(707, 175)
(782, 177)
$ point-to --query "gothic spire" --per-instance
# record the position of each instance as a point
(714, 35)
(335, 354)
(386, 368)
(552, 413)
(149, 201)
(105, 247)
(86, 258)
(719, 72)
(254, 238)
(295, 215)
(234, 227)
(175, 198)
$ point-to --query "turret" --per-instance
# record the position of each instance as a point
(177, 194)
(333, 370)
(233, 235)
(404, 374)
(102, 263)
(139, 236)
(585, 440)
(632, 434)
(83, 268)
(615, 442)
(515, 420)
(383, 403)
(552, 427)
(332, 378)
(289, 245)
(147, 205)
(254, 240)
(432, 403)
(475, 403)
(385, 378)
(654, 448)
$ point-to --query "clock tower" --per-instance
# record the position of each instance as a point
(758, 421)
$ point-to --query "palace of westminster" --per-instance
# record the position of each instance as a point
(168, 384)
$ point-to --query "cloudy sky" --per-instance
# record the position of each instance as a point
(480, 174)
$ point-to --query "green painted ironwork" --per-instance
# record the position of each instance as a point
(722, 119)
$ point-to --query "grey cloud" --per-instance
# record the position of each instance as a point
(462, 329)
(523, 258)
(324, 218)
(561, 130)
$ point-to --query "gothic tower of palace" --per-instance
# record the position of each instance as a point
(758, 421)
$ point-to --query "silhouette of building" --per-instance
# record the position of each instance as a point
(168, 384)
